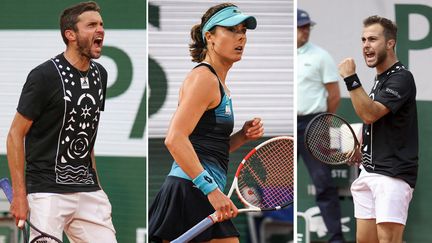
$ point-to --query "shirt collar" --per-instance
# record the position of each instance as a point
(394, 68)
(303, 48)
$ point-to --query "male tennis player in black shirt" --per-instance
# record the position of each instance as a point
(54, 131)
(383, 191)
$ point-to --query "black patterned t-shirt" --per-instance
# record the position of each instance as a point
(390, 145)
(64, 105)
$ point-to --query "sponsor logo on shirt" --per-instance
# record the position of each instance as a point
(393, 92)
(85, 83)
(227, 107)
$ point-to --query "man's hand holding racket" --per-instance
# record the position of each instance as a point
(19, 209)
(354, 157)
(20, 206)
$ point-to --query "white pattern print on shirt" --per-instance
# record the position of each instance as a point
(80, 123)
(367, 146)
(367, 137)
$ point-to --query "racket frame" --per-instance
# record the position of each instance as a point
(234, 186)
(356, 142)
(212, 219)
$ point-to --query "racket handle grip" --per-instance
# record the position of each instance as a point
(6, 187)
(196, 230)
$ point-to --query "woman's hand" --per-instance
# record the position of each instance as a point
(253, 129)
(225, 208)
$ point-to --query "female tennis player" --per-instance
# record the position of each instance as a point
(200, 134)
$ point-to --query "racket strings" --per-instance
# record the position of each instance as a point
(43, 239)
(267, 178)
(330, 139)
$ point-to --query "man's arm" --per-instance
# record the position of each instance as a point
(333, 98)
(16, 156)
(367, 109)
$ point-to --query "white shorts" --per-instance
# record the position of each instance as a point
(381, 197)
(83, 216)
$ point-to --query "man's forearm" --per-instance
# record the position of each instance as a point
(15, 156)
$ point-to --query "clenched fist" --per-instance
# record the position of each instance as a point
(347, 67)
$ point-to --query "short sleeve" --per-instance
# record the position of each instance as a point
(396, 91)
(104, 81)
(34, 95)
(328, 68)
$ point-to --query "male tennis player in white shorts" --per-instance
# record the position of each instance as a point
(58, 116)
(389, 152)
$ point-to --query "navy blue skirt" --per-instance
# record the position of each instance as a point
(178, 206)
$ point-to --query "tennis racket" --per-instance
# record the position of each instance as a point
(330, 139)
(42, 237)
(264, 181)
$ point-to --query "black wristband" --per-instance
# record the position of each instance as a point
(352, 82)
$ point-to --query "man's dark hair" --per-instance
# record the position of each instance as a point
(390, 28)
(69, 16)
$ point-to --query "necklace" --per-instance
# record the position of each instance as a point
(84, 79)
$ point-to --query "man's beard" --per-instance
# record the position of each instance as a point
(84, 49)
(381, 56)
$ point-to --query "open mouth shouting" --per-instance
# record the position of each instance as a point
(370, 56)
(98, 41)
(239, 49)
